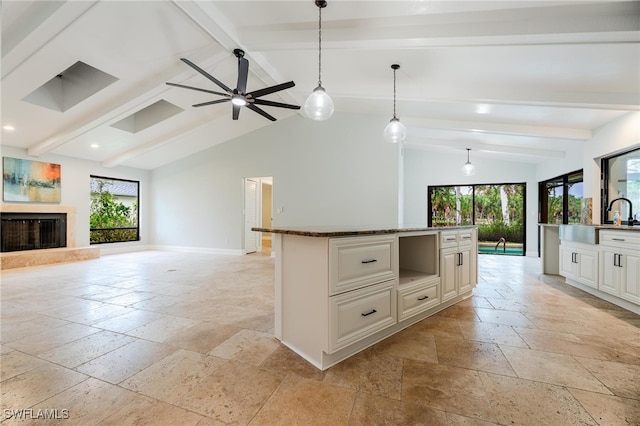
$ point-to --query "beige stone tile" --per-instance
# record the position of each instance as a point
(202, 337)
(446, 388)
(162, 329)
(92, 316)
(609, 410)
(232, 394)
(505, 317)
(376, 410)
(552, 368)
(130, 298)
(410, 343)
(10, 332)
(243, 317)
(15, 362)
(89, 402)
(127, 322)
(125, 361)
(369, 371)
(144, 411)
(458, 420)
(36, 385)
(525, 402)
(300, 401)
(285, 362)
(622, 379)
(82, 350)
(439, 326)
(246, 346)
(491, 333)
(158, 303)
(174, 376)
(47, 340)
(473, 355)
(458, 312)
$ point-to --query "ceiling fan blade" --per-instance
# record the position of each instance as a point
(274, 104)
(198, 89)
(271, 89)
(261, 112)
(206, 74)
(243, 72)
(219, 101)
(236, 111)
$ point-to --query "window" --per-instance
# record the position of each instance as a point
(560, 199)
(114, 210)
(621, 178)
(498, 210)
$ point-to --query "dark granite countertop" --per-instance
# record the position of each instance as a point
(337, 231)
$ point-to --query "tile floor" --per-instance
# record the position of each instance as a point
(160, 338)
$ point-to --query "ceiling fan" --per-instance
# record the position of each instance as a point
(239, 96)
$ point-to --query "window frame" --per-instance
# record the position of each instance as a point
(543, 200)
(137, 211)
(604, 192)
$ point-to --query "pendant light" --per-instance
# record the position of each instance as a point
(395, 131)
(468, 169)
(319, 105)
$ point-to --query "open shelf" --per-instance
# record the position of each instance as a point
(417, 258)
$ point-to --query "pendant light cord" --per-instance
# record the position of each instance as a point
(319, 46)
(394, 93)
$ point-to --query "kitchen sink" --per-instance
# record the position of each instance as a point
(587, 234)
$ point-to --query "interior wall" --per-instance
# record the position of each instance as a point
(334, 173)
(267, 206)
(427, 168)
(76, 192)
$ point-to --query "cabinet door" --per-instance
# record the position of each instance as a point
(567, 264)
(630, 278)
(464, 271)
(609, 272)
(587, 267)
(448, 266)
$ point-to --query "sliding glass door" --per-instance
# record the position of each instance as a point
(498, 210)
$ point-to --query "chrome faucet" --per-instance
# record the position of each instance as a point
(631, 220)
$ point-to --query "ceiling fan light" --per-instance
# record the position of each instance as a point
(395, 131)
(238, 100)
(319, 105)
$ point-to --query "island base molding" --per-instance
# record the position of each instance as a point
(325, 361)
(605, 296)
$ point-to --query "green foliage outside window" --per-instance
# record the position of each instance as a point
(111, 219)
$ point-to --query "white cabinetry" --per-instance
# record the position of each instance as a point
(620, 264)
(457, 262)
(579, 262)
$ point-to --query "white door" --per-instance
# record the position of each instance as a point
(250, 215)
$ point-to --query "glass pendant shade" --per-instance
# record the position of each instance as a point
(395, 131)
(468, 169)
(319, 105)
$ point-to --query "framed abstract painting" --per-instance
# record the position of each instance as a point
(30, 181)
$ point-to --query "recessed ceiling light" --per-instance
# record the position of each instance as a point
(483, 109)
(8, 127)
(95, 145)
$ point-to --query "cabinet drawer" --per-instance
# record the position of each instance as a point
(358, 262)
(465, 237)
(417, 299)
(629, 239)
(360, 313)
(448, 239)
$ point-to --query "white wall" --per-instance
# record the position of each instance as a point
(76, 192)
(428, 168)
(335, 173)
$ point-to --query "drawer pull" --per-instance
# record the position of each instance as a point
(423, 298)
(370, 261)
(466, 238)
(618, 239)
(373, 311)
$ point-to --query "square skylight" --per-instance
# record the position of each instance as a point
(148, 116)
(70, 87)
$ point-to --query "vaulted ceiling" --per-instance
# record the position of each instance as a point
(520, 80)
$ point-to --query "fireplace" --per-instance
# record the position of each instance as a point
(33, 231)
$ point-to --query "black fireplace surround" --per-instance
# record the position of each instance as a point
(33, 231)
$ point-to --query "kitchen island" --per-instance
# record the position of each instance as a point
(603, 260)
(341, 290)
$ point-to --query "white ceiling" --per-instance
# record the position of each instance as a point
(520, 80)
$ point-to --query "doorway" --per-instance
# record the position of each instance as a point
(258, 212)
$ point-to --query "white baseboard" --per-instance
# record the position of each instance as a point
(106, 249)
(203, 250)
